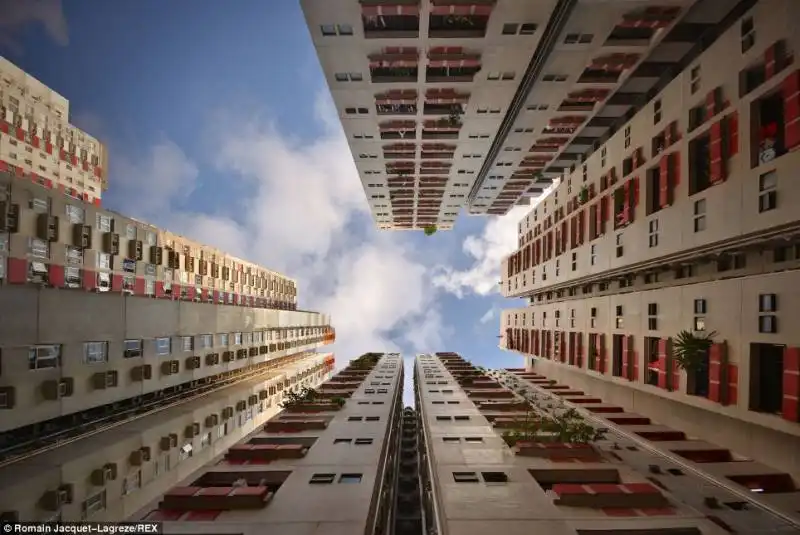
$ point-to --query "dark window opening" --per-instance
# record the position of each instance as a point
(699, 164)
(621, 34)
(697, 117)
(653, 190)
(766, 378)
(617, 355)
(697, 378)
(394, 74)
(390, 26)
(651, 357)
(453, 74)
(768, 140)
(458, 25)
(658, 144)
(597, 76)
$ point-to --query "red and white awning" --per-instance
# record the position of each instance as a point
(454, 61)
(448, 7)
(389, 9)
(399, 96)
(390, 61)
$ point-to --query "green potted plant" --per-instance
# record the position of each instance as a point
(430, 230)
(689, 349)
(340, 401)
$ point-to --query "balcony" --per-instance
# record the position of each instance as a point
(390, 19)
(452, 64)
(435, 168)
(441, 129)
(445, 102)
(284, 425)
(394, 65)
(400, 151)
(398, 130)
(459, 19)
(397, 102)
(438, 151)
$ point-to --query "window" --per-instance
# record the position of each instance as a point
(461, 418)
(132, 349)
(348, 77)
(363, 441)
(372, 419)
(465, 477)
(44, 357)
(75, 214)
(578, 38)
(657, 111)
(163, 346)
(187, 343)
(132, 482)
(748, 34)
(554, 78)
(510, 29)
(342, 440)
(767, 303)
(103, 260)
(223, 339)
(104, 223)
(93, 504)
(653, 236)
(237, 339)
(328, 29)
(95, 352)
(699, 215)
(473, 440)
(350, 478)
(451, 440)
(322, 479)
(38, 248)
(694, 86)
(355, 418)
(767, 192)
(206, 341)
(494, 477)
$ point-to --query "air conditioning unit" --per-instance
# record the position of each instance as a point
(252, 400)
(227, 412)
(212, 359)
(111, 243)
(192, 363)
(165, 444)
(135, 249)
(99, 381)
(227, 356)
(263, 394)
(47, 228)
(189, 431)
(212, 420)
(145, 453)
(9, 217)
(142, 373)
(51, 501)
(241, 405)
(98, 477)
(136, 458)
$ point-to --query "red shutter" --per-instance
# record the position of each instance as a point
(662, 364)
(581, 226)
(48, 147)
(635, 191)
(55, 275)
(3, 126)
(711, 104)
(733, 134)
(116, 283)
(633, 361)
(790, 409)
(676, 170)
(579, 349)
(625, 360)
(563, 346)
(664, 189)
(17, 272)
(715, 149)
(790, 88)
(190, 291)
(89, 279)
(138, 286)
(159, 289)
(35, 142)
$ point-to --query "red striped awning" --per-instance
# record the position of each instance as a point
(455, 60)
(397, 126)
(447, 7)
(392, 61)
(389, 9)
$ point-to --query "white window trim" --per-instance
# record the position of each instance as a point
(95, 352)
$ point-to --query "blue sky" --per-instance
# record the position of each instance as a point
(220, 127)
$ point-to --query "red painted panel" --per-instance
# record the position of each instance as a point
(116, 283)
(3, 166)
(89, 279)
(664, 190)
(160, 289)
(676, 169)
(138, 286)
(48, 147)
(204, 294)
(35, 141)
(790, 89)
(96, 202)
(56, 275)
(20, 172)
(625, 361)
(62, 154)
(3, 126)
(769, 62)
(790, 409)
(715, 150)
(236, 296)
(17, 271)
(20, 134)
(73, 159)
(176, 291)
(216, 295)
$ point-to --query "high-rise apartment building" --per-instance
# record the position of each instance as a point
(38, 144)
(659, 274)
(112, 467)
(480, 104)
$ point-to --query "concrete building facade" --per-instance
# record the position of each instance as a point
(483, 479)
(682, 223)
(38, 144)
(481, 104)
(110, 475)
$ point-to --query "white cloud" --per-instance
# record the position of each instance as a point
(499, 238)
(489, 316)
(16, 14)
(301, 211)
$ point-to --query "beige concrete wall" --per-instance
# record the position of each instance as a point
(731, 207)
(23, 484)
(71, 318)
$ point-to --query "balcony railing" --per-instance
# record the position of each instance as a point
(388, 19)
(396, 109)
(381, 75)
(454, 18)
(451, 74)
